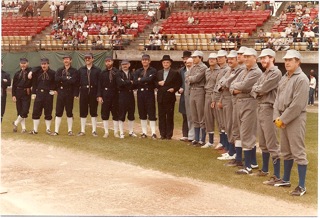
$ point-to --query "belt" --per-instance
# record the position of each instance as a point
(197, 88)
(265, 104)
(243, 95)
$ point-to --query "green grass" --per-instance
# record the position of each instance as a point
(174, 157)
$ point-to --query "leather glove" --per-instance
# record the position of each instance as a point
(278, 122)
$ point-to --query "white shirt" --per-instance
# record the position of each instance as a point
(53, 8)
(151, 13)
(134, 25)
(61, 7)
(313, 83)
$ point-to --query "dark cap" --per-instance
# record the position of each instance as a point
(125, 61)
(145, 56)
(23, 60)
(108, 58)
(166, 58)
(88, 55)
(186, 54)
(44, 60)
(66, 56)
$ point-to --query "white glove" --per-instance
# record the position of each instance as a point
(33, 96)
(51, 92)
(5, 80)
(30, 75)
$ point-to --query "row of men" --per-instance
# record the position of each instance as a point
(235, 94)
(243, 101)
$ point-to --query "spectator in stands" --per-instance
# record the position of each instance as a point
(99, 7)
(114, 18)
(298, 23)
(92, 26)
(162, 9)
(82, 39)
(29, 10)
(290, 7)
(122, 29)
(223, 36)
(190, 19)
(99, 44)
(278, 43)
(261, 36)
(298, 7)
(150, 44)
(157, 43)
(53, 10)
(88, 6)
(283, 16)
(288, 29)
(298, 36)
(196, 21)
(117, 43)
(61, 10)
(139, 6)
(85, 33)
(270, 42)
(170, 45)
(75, 43)
(127, 25)
(238, 39)
(310, 43)
(315, 29)
(115, 28)
(164, 38)
(115, 7)
(134, 25)
(299, 13)
(85, 18)
(156, 29)
(231, 37)
(215, 37)
(151, 15)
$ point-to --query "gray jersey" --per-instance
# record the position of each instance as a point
(223, 70)
(197, 78)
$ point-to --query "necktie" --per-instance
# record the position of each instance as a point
(88, 75)
(45, 76)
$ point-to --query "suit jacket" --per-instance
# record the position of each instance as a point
(173, 80)
(182, 106)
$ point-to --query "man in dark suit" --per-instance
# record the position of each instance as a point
(298, 36)
(168, 82)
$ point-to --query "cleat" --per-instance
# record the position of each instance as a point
(227, 157)
(261, 173)
(32, 132)
(218, 146)
(244, 171)
(254, 166)
(143, 135)
(70, 133)
(207, 145)
(94, 133)
(81, 134)
(272, 181)
(48, 131)
(282, 183)
(132, 134)
(24, 131)
(184, 139)
(121, 136)
(298, 191)
(234, 163)
(194, 143)
(154, 136)
(15, 127)
(54, 134)
(106, 135)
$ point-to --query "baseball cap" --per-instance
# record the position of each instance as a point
(241, 50)
(222, 53)
(108, 58)
(145, 56)
(44, 60)
(90, 55)
(232, 54)
(267, 52)
(292, 54)
(250, 51)
(23, 60)
(197, 53)
(66, 56)
(125, 61)
(212, 55)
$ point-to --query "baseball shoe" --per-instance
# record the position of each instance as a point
(227, 157)
(54, 134)
(154, 136)
(94, 133)
(244, 171)
(81, 134)
(121, 136)
(207, 145)
(106, 135)
(116, 135)
(48, 131)
(132, 134)
(298, 191)
(254, 166)
(32, 132)
(273, 180)
(234, 163)
(184, 139)
(143, 135)
(218, 146)
(24, 131)
(70, 133)
(194, 143)
(15, 127)
(261, 173)
(282, 183)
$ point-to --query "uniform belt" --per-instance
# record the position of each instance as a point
(243, 95)
(265, 104)
(197, 88)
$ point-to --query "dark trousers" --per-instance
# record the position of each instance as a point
(185, 128)
(163, 14)
(64, 101)
(110, 105)
(3, 104)
(126, 105)
(166, 113)
(88, 99)
(311, 96)
(146, 105)
(23, 102)
(43, 101)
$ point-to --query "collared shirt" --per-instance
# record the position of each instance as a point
(196, 77)
(165, 74)
(313, 83)
(223, 70)
(211, 78)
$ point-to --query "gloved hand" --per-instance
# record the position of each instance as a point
(51, 92)
(33, 96)
(278, 123)
(30, 75)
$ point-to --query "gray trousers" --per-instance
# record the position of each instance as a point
(189, 118)
(235, 127)
(292, 140)
(218, 114)
(197, 97)
(227, 115)
(208, 113)
(247, 121)
(268, 141)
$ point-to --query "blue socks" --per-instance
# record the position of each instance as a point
(276, 167)
(203, 135)
(287, 169)
(232, 149)
(238, 154)
(211, 136)
(254, 156)
(197, 134)
(265, 161)
(302, 171)
(247, 158)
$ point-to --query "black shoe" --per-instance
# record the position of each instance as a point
(194, 143)
(33, 132)
(168, 138)
(299, 191)
(15, 127)
(143, 136)
(163, 138)
(154, 136)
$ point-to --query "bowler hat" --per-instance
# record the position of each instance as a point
(186, 54)
(166, 58)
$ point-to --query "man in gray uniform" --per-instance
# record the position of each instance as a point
(264, 90)
(290, 116)
(211, 79)
(247, 106)
(197, 80)
(222, 62)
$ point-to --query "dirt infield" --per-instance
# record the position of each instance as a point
(46, 180)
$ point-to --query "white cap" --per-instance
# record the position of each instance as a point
(197, 53)
(250, 51)
(222, 53)
(267, 52)
(213, 55)
(232, 54)
(242, 49)
(292, 54)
